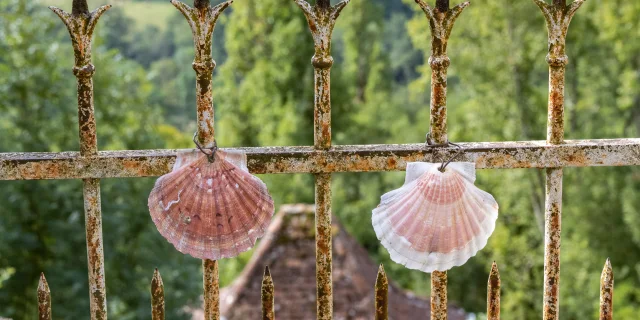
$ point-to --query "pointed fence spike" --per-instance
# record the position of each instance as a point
(157, 296)
(493, 294)
(606, 292)
(382, 294)
(44, 299)
(268, 309)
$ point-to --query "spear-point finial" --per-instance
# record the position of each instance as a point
(268, 305)
(382, 294)
(44, 299)
(157, 296)
(493, 294)
(606, 292)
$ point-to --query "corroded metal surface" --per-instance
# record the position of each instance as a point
(157, 297)
(558, 16)
(439, 295)
(493, 294)
(382, 295)
(44, 299)
(211, 284)
(323, 247)
(322, 18)
(268, 305)
(441, 20)
(202, 20)
(606, 292)
(95, 251)
(357, 158)
(81, 24)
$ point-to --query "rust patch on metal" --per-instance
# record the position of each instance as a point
(493, 294)
(44, 299)
(382, 295)
(211, 284)
(157, 297)
(441, 20)
(323, 247)
(267, 297)
(606, 292)
(439, 295)
(95, 251)
(202, 20)
(553, 218)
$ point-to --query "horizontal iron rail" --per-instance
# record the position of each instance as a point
(354, 158)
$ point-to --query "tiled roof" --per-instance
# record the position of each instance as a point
(289, 251)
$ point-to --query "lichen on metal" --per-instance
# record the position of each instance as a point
(354, 158)
(202, 19)
(439, 295)
(211, 283)
(81, 24)
(606, 292)
(44, 299)
(441, 20)
(382, 295)
(558, 16)
(321, 19)
(157, 296)
(266, 295)
(493, 294)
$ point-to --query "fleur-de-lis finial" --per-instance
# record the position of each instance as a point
(321, 18)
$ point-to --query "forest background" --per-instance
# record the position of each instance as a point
(263, 91)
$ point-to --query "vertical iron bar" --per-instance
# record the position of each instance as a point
(606, 292)
(321, 19)
(382, 295)
(81, 24)
(202, 19)
(493, 294)
(268, 305)
(211, 284)
(439, 295)
(558, 16)
(157, 296)
(441, 21)
(44, 299)
(323, 247)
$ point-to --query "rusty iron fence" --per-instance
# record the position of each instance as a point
(323, 159)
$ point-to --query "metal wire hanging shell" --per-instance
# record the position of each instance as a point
(211, 210)
(436, 220)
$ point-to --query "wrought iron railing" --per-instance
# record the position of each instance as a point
(323, 159)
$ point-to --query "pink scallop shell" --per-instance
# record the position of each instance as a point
(211, 210)
(436, 220)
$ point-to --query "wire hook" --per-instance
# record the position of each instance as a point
(444, 164)
(212, 151)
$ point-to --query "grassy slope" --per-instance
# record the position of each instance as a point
(143, 13)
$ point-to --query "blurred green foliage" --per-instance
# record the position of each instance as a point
(263, 95)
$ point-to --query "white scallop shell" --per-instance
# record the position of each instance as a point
(436, 220)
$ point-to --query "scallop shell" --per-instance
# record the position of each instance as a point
(211, 210)
(436, 220)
